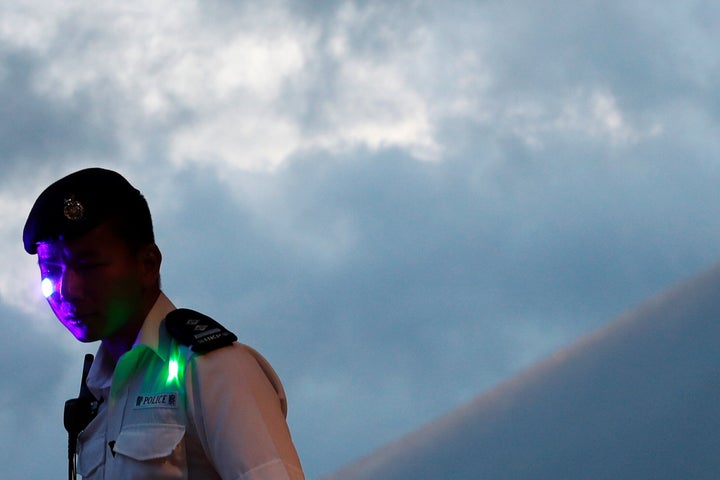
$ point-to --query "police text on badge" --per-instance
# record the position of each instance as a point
(158, 400)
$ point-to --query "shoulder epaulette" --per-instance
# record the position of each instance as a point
(200, 332)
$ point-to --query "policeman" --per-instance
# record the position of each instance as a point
(177, 396)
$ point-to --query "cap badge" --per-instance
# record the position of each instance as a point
(73, 209)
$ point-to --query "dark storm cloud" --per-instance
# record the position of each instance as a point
(535, 46)
(36, 129)
(407, 288)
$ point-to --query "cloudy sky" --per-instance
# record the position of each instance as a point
(636, 399)
(399, 203)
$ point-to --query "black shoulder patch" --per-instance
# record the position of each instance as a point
(200, 332)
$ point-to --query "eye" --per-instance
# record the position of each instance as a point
(83, 267)
(88, 265)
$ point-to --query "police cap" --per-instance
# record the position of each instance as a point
(81, 201)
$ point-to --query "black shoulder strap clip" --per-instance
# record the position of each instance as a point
(79, 412)
(200, 332)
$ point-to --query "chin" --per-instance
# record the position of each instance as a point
(81, 334)
(86, 339)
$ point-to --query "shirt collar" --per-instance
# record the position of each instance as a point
(101, 372)
(149, 334)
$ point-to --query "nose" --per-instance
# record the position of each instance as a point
(70, 286)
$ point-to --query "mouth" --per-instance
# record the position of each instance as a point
(73, 321)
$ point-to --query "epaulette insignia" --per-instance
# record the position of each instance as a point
(200, 332)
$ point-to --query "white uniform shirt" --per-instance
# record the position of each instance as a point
(167, 413)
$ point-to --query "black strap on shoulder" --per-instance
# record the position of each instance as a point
(200, 332)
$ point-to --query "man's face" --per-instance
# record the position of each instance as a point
(94, 284)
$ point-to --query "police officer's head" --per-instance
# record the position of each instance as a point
(79, 202)
(99, 265)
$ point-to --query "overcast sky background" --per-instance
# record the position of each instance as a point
(637, 399)
(400, 203)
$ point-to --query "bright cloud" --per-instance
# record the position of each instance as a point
(594, 115)
(225, 83)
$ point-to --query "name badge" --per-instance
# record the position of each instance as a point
(157, 400)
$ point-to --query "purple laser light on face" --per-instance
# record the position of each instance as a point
(47, 286)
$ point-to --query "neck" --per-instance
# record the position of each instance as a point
(119, 344)
(117, 347)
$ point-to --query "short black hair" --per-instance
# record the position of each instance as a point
(81, 201)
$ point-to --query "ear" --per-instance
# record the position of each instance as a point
(150, 260)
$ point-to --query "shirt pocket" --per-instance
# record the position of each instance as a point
(91, 451)
(144, 442)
